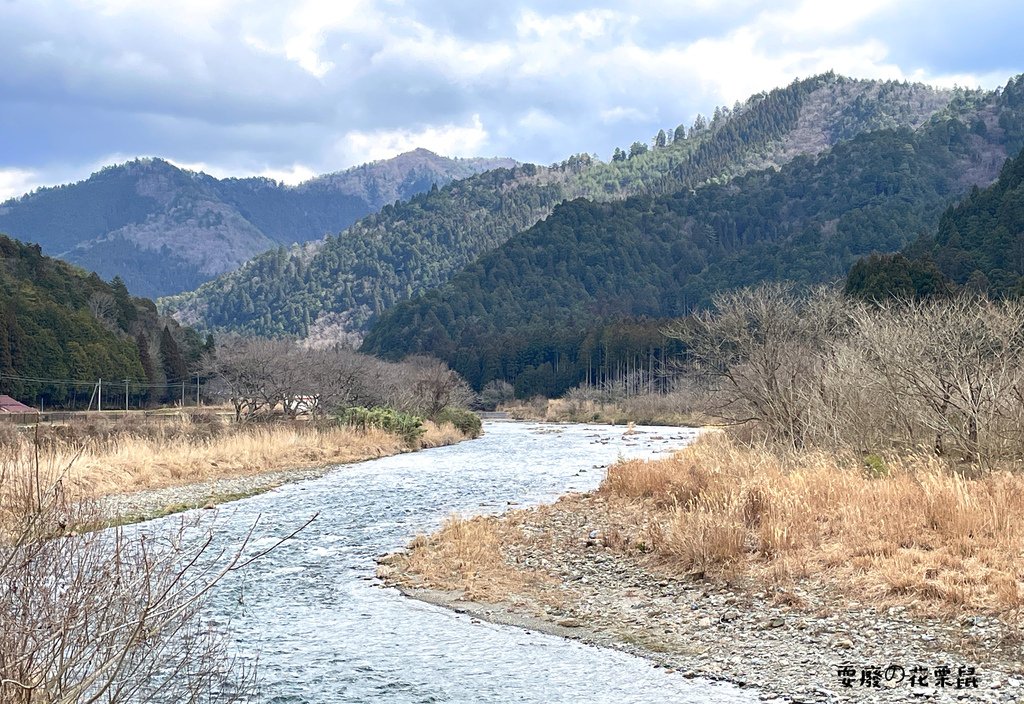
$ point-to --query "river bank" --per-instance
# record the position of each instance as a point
(286, 456)
(594, 567)
(134, 471)
(653, 409)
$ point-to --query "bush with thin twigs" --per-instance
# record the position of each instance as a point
(107, 616)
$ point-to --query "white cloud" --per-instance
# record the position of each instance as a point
(536, 121)
(240, 87)
(813, 18)
(292, 175)
(16, 182)
(295, 174)
(299, 32)
(585, 26)
(621, 113)
(451, 140)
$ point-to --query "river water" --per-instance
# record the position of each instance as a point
(326, 631)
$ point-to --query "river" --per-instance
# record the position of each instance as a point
(326, 631)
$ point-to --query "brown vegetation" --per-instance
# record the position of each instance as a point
(900, 530)
(645, 409)
(817, 369)
(465, 555)
(115, 455)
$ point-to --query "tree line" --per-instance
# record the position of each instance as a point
(814, 367)
(265, 378)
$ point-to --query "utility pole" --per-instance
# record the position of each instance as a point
(197, 391)
(126, 382)
(99, 396)
(183, 394)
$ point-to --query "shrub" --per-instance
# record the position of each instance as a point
(408, 426)
(466, 421)
(496, 393)
(875, 466)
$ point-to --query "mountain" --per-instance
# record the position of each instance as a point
(662, 256)
(62, 329)
(340, 285)
(164, 229)
(978, 246)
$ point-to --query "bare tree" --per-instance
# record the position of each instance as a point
(339, 378)
(261, 376)
(435, 386)
(257, 375)
(495, 393)
(762, 351)
(819, 368)
(956, 368)
(103, 307)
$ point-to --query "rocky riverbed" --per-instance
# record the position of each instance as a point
(796, 643)
(149, 503)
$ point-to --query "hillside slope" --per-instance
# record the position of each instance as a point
(978, 246)
(163, 229)
(62, 329)
(662, 256)
(342, 284)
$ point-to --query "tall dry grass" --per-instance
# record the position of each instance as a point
(465, 555)
(646, 409)
(188, 451)
(439, 435)
(901, 530)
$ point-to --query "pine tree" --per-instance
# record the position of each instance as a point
(142, 344)
(173, 363)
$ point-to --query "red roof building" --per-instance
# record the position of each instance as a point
(10, 405)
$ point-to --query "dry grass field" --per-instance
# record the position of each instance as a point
(896, 531)
(114, 456)
(906, 530)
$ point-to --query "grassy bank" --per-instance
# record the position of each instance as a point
(651, 409)
(902, 531)
(905, 530)
(119, 456)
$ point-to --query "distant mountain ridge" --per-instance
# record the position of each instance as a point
(342, 285)
(164, 229)
(590, 264)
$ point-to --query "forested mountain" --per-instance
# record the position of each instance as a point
(979, 246)
(62, 329)
(662, 256)
(163, 229)
(409, 248)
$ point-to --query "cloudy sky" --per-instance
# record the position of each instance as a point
(293, 88)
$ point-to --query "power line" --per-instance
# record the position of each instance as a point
(92, 382)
